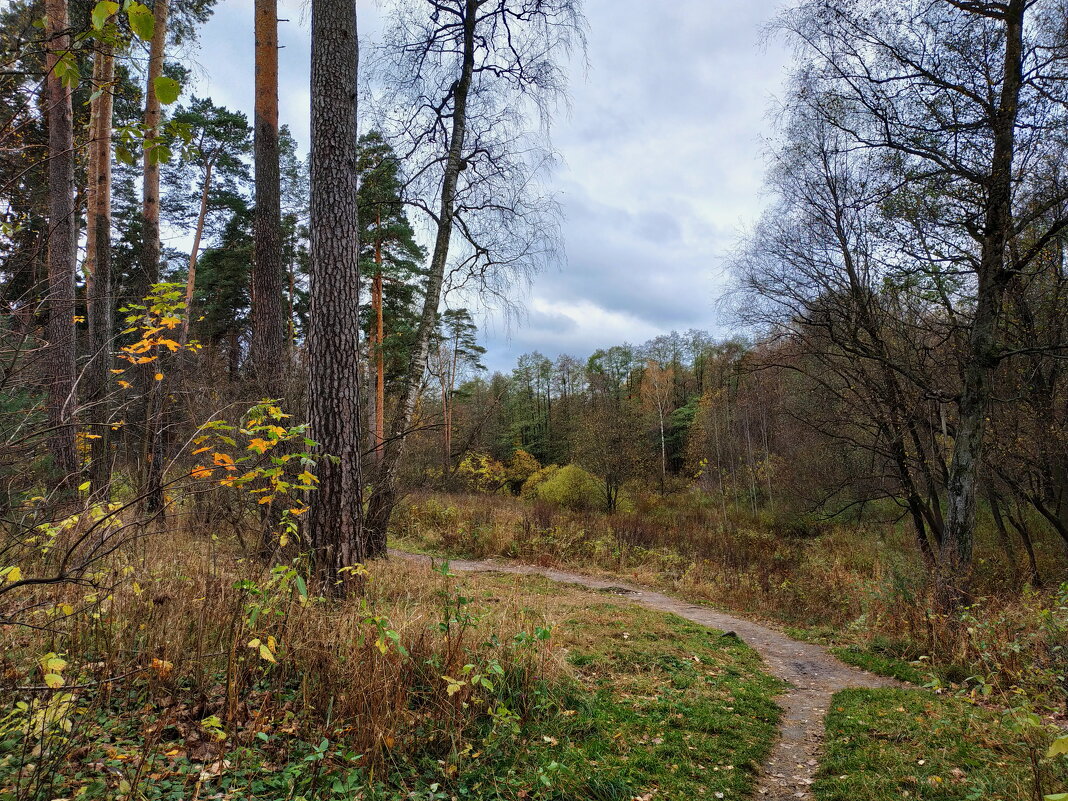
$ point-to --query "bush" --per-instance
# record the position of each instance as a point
(572, 488)
(529, 490)
(519, 469)
(479, 472)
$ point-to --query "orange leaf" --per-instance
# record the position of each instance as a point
(260, 445)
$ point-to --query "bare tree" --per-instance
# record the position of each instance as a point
(466, 81)
(813, 276)
(961, 103)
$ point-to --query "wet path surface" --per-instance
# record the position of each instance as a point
(813, 674)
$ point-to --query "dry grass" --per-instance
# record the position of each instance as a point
(167, 695)
(187, 630)
(857, 586)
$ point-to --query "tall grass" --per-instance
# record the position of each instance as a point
(859, 584)
(204, 652)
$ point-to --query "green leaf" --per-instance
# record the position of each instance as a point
(1057, 797)
(142, 23)
(166, 89)
(83, 486)
(53, 680)
(302, 588)
(102, 11)
(1060, 746)
(66, 69)
(160, 154)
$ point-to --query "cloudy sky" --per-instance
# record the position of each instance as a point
(662, 160)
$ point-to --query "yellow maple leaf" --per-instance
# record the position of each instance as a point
(261, 445)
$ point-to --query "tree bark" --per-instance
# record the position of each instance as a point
(191, 277)
(955, 555)
(62, 250)
(150, 255)
(380, 358)
(268, 323)
(98, 270)
(383, 498)
(338, 538)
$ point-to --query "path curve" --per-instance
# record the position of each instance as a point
(814, 675)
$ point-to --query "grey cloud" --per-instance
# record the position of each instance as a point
(662, 155)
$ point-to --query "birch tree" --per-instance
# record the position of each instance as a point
(467, 85)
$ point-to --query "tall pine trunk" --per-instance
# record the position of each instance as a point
(98, 269)
(380, 352)
(62, 243)
(268, 324)
(150, 255)
(384, 497)
(336, 519)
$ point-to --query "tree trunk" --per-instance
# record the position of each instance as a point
(380, 358)
(955, 555)
(335, 522)
(150, 254)
(62, 245)
(191, 278)
(1034, 578)
(268, 325)
(383, 499)
(1003, 534)
(98, 270)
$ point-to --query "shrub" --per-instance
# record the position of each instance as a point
(520, 468)
(529, 490)
(573, 488)
(480, 472)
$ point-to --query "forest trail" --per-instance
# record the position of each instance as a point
(812, 673)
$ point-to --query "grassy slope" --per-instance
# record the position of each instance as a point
(642, 702)
(908, 744)
(670, 706)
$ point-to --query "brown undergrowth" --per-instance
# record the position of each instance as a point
(214, 651)
(857, 587)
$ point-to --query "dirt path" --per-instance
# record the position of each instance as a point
(813, 674)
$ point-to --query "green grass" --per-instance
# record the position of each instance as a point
(881, 664)
(671, 707)
(642, 702)
(908, 744)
